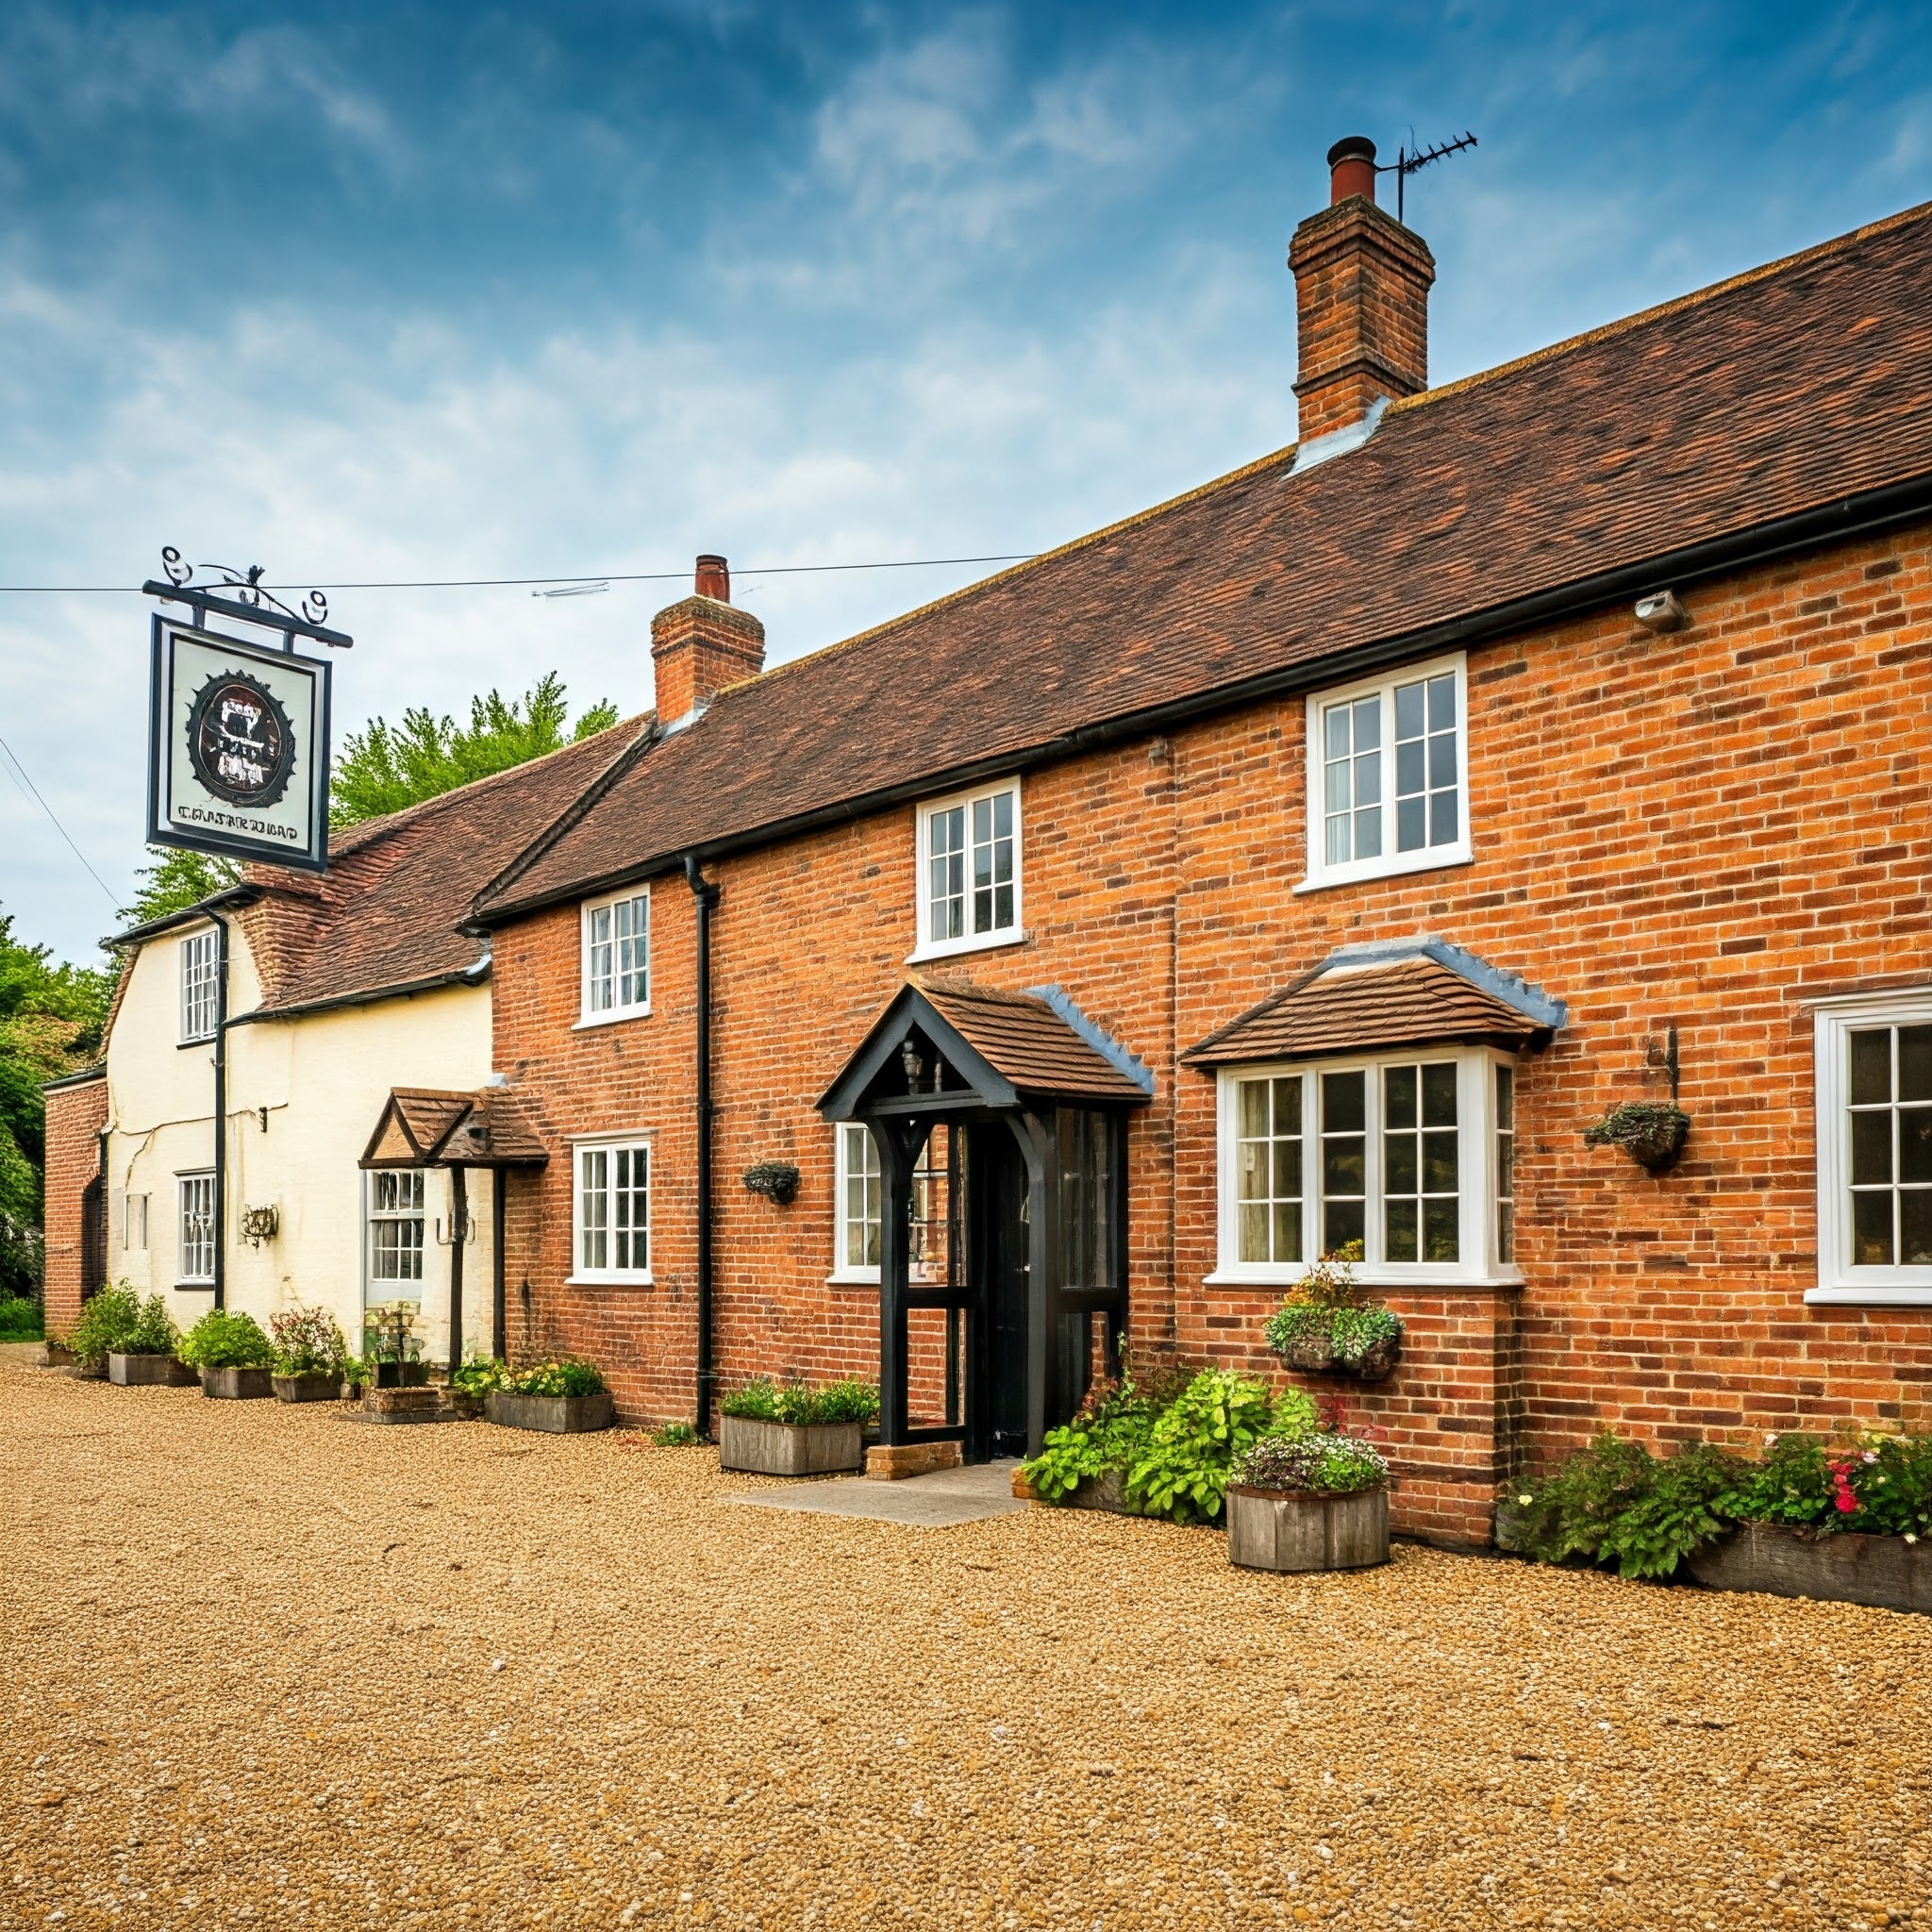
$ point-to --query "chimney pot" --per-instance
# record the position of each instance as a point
(1351, 167)
(714, 578)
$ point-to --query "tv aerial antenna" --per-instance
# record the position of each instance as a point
(1407, 160)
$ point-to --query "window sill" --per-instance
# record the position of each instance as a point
(200, 1040)
(194, 1288)
(621, 1013)
(1360, 875)
(1429, 1280)
(1890, 1295)
(980, 942)
(853, 1278)
(609, 1278)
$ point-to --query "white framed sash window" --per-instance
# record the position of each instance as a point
(859, 1221)
(969, 866)
(616, 954)
(195, 1251)
(611, 1219)
(392, 1233)
(199, 972)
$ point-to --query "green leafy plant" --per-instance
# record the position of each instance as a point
(225, 1341)
(566, 1375)
(20, 1318)
(674, 1436)
(1324, 1325)
(763, 1401)
(1319, 1463)
(356, 1374)
(153, 1331)
(308, 1342)
(480, 1375)
(106, 1320)
(1109, 1433)
(1183, 1471)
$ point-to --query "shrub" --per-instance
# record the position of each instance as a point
(308, 1342)
(1182, 1474)
(674, 1436)
(221, 1341)
(107, 1317)
(763, 1401)
(480, 1375)
(1110, 1432)
(20, 1318)
(1318, 1463)
(153, 1331)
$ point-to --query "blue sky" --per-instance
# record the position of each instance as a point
(422, 290)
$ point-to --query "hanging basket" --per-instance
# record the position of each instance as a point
(1651, 1132)
(776, 1180)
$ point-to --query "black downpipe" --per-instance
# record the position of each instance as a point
(706, 895)
(221, 1201)
(498, 1330)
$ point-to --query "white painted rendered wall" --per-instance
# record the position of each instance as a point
(322, 1081)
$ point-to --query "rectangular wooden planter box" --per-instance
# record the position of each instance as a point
(149, 1372)
(1274, 1529)
(54, 1355)
(558, 1415)
(313, 1385)
(787, 1448)
(1778, 1560)
(237, 1385)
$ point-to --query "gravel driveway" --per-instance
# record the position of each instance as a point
(264, 1667)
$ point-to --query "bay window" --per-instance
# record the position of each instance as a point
(1405, 1156)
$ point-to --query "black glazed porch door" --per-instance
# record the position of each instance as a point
(999, 1252)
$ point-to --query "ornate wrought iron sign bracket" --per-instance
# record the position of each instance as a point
(251, 602)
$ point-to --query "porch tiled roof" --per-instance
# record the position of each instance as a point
(1025, 1041)
(1411, 1002)
(421, 1127)
(1783, 393)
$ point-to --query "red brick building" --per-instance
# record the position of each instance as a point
(1310, 859)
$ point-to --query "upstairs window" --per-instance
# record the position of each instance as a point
(1874, 1149)
(968, 871)
(1388, 776)
(617, 957)
(198, 976)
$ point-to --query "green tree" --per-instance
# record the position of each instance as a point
(51, 1020)
(389, 766)
(177, 879)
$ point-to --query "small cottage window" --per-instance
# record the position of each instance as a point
(395, 1232)
(968, 871)
(859, 1204)
(1388, 781)
(1874, 1149)
(198, 976)
(616, 958)
(612, 1218)
(197, 1227)
(1406, 1152)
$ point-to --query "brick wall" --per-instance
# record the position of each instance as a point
(76, 1116)
(1704, 829)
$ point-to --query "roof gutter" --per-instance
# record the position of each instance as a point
(474, 974)
(188, 915)
(1839, 522)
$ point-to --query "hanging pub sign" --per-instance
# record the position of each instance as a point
(238, 730)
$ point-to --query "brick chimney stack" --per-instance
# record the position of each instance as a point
(701, 645)
(1362, 288)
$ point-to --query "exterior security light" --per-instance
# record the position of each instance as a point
(1661, 612)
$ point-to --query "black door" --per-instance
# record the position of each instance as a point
(999, 1251)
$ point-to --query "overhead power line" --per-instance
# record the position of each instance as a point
(647, 576)
(18, 772)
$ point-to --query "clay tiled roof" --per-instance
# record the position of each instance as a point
(385, 914)
(1410, 1002)
(1473, 508)
(423, 1126)
(1026, 1043)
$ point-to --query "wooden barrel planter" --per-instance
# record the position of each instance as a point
(312, 1385)
(1293, 1530)
(788, 1448)
(149, 1372)
(555, 1415)
(238, 1385)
